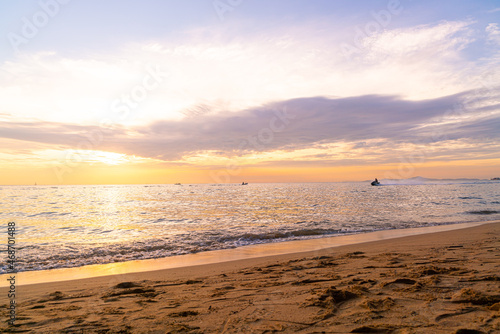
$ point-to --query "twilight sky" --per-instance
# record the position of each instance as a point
(212, 91)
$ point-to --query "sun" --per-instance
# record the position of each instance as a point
(108, 158)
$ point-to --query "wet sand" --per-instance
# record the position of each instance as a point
(443, 282)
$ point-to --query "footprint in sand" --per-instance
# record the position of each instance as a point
(130, 288)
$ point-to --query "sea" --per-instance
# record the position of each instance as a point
(77, 225)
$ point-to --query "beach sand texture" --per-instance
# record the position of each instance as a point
(443, 282)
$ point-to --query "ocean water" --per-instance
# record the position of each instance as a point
(70, 226)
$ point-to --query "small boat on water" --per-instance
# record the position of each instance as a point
(244, 183)
(375, 183)
(496, 179)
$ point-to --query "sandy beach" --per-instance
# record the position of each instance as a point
(443, 282)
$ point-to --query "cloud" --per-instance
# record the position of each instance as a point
(493, 33)
(317, 129)
(48, 132)
(222, 69)
(413, 43)
(289, 96)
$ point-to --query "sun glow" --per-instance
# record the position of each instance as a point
(94, 157)
(109, 158)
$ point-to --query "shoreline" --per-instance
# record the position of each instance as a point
(223, 255)
(441, 282)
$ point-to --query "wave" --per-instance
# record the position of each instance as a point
(42, 258)
(483, 212)
(151, 222)
(283, 235)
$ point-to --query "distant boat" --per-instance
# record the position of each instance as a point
(244, 183)
(177, 184)
(375, 183)
(496, 178)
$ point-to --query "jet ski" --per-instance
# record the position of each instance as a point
(375, 183)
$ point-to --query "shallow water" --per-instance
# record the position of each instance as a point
(68, 226)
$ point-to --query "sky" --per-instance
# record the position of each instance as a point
(225, 91)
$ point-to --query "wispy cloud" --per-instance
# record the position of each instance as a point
(418, 63)
(420, 42)
(493, 31)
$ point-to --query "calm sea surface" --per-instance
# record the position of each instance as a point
(69, 226)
